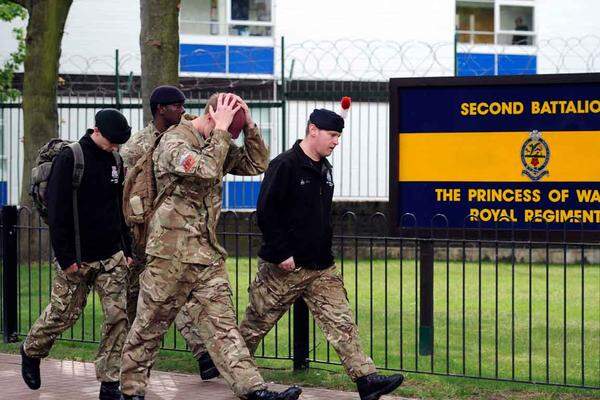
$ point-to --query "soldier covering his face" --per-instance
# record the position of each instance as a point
(167, 106)
(185, 262)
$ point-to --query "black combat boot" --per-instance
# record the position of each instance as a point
(207, 367)
(128, 397)
(291, 393)
(30, 370)
(110, 391)
(372, 387)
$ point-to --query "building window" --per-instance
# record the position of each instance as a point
(201, 17)
(516, 25)
(475, 22)
(251, 18)
(226, 17)
(493, 22)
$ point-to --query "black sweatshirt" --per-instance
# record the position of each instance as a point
(102, 227)
(294, 210)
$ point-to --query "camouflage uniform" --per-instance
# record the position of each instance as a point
(140, 143)
(294, 216)
(275, 290)
(131, 152)
(185, 261)
(68, 298)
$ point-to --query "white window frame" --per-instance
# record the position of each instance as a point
(474, 33)
(209, 23)
(516, 3)
(497, 31)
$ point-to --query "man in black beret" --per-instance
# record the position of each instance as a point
(167, 107)
(101, 257)
(113, 126)
(296, 259)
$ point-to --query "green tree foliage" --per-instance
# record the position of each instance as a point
(8, 12)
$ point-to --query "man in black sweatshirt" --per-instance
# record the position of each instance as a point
(296, 259)
(105, 251)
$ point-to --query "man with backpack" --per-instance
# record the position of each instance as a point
(185, 263)
(92, 248)
(167, 107)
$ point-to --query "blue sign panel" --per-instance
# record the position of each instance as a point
(213, 58)
(500, 108)
(202, 58)
(251, 60)
(514, 64)
(472, 64)
(3, 193)
(241, 195)
(520, 154)
(485, 64)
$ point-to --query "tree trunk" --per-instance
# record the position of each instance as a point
(159, 45)
(45, 29)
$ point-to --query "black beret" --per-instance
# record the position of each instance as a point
(113, 125)
(326, 120)
(167, 95)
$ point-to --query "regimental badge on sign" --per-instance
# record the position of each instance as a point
(535, 156)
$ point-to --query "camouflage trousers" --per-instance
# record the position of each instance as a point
(183, 321)
(165, 286)
(67, 301)
(274, 291)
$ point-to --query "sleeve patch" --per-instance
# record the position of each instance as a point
(187, 162)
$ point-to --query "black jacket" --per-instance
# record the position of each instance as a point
(294, 210)
(102, 226)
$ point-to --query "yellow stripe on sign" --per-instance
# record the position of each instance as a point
(495, 156)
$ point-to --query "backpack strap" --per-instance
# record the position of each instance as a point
(78, 167)
(167, 190)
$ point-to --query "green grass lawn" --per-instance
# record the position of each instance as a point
(388, 323)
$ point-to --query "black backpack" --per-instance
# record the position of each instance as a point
(41, 172)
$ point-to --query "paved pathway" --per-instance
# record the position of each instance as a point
(72, 380)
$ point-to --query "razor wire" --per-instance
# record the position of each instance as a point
(333, 60)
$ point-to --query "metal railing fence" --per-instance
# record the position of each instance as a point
(520, 310)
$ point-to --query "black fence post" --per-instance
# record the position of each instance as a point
(9, 272)
(426, 298)
(283, 98)
(117, 82)
(301, 345)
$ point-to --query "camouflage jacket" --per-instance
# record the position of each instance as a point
(184, 224)
(140, 142)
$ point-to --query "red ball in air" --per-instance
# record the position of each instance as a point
(346, 101)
